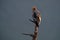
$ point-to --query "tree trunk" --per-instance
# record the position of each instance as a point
(35, 37)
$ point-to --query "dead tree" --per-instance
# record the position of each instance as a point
(36, 20)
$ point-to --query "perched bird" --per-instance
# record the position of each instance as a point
(36, 16)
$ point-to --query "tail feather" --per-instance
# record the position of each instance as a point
(31, 20)
(35, 22)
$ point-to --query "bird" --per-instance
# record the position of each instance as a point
(36, 15)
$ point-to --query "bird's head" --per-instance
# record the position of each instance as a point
(34, 8)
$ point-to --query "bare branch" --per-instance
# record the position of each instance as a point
(28, 34)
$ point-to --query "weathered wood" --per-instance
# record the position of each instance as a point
(35, 37)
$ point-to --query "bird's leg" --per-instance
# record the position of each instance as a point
(32, 20)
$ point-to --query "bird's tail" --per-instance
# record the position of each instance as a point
(35, 22)
(31, 21)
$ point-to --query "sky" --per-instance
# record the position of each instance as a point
(15, 15)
